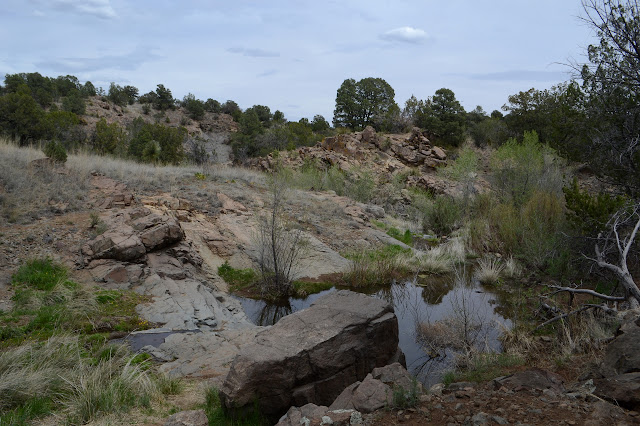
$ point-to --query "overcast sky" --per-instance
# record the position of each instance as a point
(293, 55)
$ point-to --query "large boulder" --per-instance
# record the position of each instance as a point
(312, 355)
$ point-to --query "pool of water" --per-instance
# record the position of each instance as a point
(432, 314)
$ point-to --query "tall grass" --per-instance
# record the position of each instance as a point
(60, 375)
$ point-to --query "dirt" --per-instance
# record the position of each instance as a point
(503, 406)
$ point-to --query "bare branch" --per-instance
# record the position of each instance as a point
(589, 292)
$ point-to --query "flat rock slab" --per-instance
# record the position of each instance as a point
(205, 355)
(189, 304)
(312, 355)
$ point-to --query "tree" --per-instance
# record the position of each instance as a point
(195, 107)
(74, 102)
(164, 100)
(88, 89)
(232, 108)
(108, 138)
(21, 116)
(117, 95)
(443, 116)
(363, 103)
(612, 82)
(319, 124)
(212, 105)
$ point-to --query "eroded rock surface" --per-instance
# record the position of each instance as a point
(312, 355)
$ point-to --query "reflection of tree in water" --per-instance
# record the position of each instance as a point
(272, 312)
(435, 289)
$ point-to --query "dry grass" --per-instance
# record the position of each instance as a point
(441, 259)
(59, 376)
(489, 270)
(28, 193)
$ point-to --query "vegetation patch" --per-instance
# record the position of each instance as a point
(302, 289)
(238, 279)
(379, 266)
(483, 367)
(217, 416)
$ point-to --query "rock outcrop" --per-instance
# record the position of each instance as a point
(619, 376)
(312, 355)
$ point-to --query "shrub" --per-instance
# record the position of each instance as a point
(521, 168)
(55, 151)
(443, 216)
(590, 213)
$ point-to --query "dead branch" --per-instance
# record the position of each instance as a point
(589, 292)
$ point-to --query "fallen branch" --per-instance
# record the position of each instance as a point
(589, 292)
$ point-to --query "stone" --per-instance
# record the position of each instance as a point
(312, 355)
(370, 395)
(395, 375)
(188, 418)
(532, 379)
(313, 415)
(623, 389)
(622, 355)
(162, 234)
(369, 135)
(438, 153)
(122, 244)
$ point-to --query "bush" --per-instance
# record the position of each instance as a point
(55, 151)
(443, 216)
(520, 168)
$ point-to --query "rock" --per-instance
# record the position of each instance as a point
(366, 397)
(188, 418)
(623, 389)
(622, 355)
(311, 414)
(438, 153)
(374, 210)
(534, 378)
(395, 375)
(188, 305)
(313, 354)
(230, 206)
(115, 275)
(369, 135)
(121, 244)
(162, 234)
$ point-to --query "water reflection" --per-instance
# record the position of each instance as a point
(437, 318)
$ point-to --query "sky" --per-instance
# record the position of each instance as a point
(293, 55)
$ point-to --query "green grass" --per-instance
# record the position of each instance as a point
(217, 416)
(237, 278)
(402, 398)
(40, 274)
(378, 266)
(483, 367)
(405, 237)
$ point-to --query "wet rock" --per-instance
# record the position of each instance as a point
(188, 418)
(313, 354)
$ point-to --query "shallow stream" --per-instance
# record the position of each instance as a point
(435, 315)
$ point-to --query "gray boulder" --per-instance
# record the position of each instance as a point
(312, 355)
(188, 418)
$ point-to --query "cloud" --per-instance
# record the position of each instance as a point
(126, 62)
(254, 53)
(405, 35)
(267, 73)
(521, 75)
(99, 8)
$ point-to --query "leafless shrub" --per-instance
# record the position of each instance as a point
(279, 245)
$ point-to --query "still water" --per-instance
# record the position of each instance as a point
(434, 316)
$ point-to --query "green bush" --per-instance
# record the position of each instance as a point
(55, 151)
(520, 168)
(590, 213)
(443, 215)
